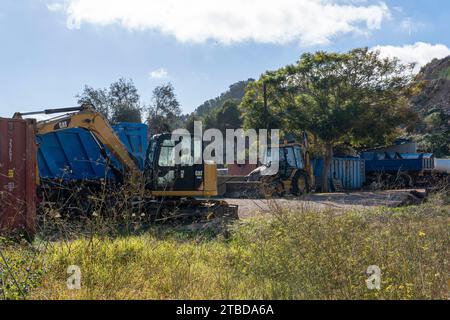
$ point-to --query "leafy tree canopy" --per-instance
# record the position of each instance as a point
(164, 112)
(226, 117)
(355, 97)
(119, 103)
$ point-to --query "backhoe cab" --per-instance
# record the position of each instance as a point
(294, 175)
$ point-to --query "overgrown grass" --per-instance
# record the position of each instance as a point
(291, 255)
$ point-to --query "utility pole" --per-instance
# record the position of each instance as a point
(266, 110)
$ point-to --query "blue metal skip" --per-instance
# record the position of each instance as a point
(75, 154)
(134, 137)
(394, 162)
(351, 172)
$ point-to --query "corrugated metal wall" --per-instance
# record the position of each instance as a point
(350, 171)
(17, 176)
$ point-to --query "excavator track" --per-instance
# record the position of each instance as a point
(88, 201)
(191, 210)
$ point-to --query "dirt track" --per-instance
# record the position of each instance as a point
(254, 207)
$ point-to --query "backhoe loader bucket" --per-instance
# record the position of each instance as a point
(245, 189)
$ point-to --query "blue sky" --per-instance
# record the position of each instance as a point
(51, 49)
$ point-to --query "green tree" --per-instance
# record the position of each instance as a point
(119, 103)
(98, 98)
(437, 143)
(229, 116)
(189, 123)
(356, 98)
(165, 111)
(124, 102)
(436, 138)
(253, 110)
(433, 120)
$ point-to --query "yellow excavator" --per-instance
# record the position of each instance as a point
(164, 186)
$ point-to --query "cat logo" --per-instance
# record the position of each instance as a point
(62, 124)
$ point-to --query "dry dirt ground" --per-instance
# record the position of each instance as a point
(339, 201)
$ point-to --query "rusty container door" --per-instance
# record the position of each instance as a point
(17, 176)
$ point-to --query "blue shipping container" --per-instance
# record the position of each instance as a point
(351, 172)
(75, 154)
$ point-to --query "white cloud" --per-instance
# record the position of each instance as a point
(55, 6)
(159, 74)
(420, 53)
(309, 22)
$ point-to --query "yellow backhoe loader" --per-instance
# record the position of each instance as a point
(294, 175)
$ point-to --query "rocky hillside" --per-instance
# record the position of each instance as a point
(436, 93)
(433, 105)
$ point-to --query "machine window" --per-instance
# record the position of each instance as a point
(290, 157)
(298, 157)
(167, 155)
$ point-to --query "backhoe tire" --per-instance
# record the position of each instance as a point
(272, 187)
(300, 184)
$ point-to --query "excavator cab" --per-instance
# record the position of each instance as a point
(168, 175)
